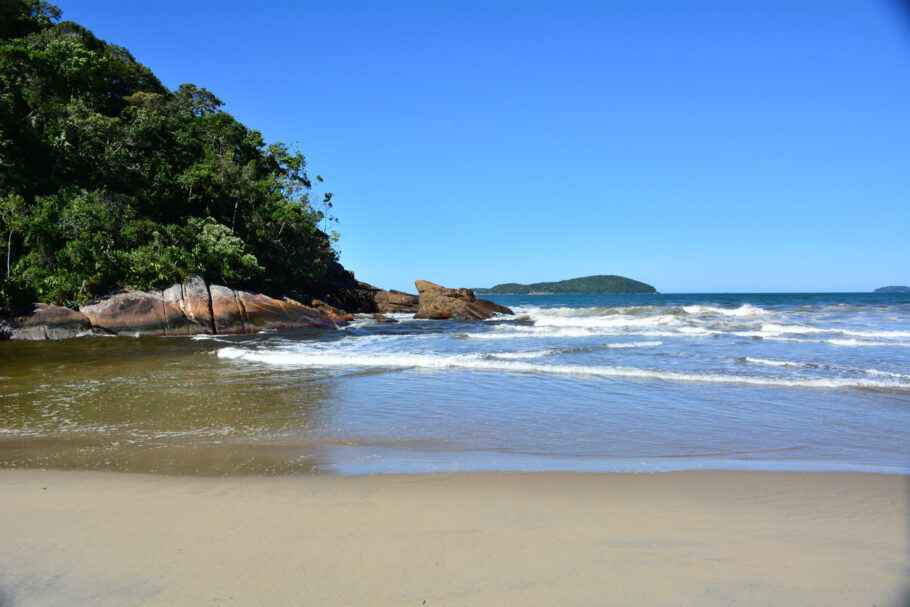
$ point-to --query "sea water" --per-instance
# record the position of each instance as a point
(571, 382)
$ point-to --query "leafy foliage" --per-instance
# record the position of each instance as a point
(108, 179)
(587, 284)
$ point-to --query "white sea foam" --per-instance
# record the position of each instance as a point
(775, 329)
(858, 343)
(612, 321)
(884, 334)
(878, 373)
(289, 358)
(519, 355)
(206, 337)
(745, 310)
(635, 344)
(774, 363)
(517, 331)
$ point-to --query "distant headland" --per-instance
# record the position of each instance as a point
(892, 289)
(600, 283)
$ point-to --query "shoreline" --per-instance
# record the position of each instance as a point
(467, 538)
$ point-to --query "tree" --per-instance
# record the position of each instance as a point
(12, 216)
(120, 182)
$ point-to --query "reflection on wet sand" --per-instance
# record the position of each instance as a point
(154, 405)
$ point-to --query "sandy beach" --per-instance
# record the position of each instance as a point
(683, 538)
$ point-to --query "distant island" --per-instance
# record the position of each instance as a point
(893, 289)
(587, 284)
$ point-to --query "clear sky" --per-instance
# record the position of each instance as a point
(698, 146)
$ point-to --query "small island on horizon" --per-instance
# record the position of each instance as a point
(597, 284)
(893, 289)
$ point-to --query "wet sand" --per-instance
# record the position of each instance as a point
(682, 538)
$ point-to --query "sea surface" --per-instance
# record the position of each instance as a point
(631, 383)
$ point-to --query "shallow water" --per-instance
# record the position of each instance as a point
(631, 383)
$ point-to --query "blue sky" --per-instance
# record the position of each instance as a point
(698, 146)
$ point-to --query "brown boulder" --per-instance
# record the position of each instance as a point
(44, 321)
(138, 313)
(227, 315)
(192, 297)
(380, 318)
(246, 312)
(437, 302)
(329, 310)
(396, 301)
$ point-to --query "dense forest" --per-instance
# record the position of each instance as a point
(587, 284)
(109, 179)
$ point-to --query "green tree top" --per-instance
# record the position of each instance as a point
(108, 179)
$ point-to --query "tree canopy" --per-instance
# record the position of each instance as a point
(109, 179)
(587, 284)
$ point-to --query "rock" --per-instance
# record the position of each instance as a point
(227, 315)
(246, 312)
(44, 321)
(396, 301)
(193, 299)
(380, 318)
(330, 311)
(339, 289)
(138, 313)
(437, 302)
(263, 312)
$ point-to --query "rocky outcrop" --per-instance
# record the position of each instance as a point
(437, 302)
(340, 289)
(193, 298)
(43, 321)
(139, 313)
(331, 311)
(194, 307)
(382, 319)
(236, 312)
(396, 301)
(227, 314)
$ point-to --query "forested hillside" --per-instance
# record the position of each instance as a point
(109, 179)
(587, 284)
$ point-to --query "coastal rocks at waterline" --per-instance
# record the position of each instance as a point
(437, 302)
(189, 308)
(239, 312)
(194, 300)
(44, 321)
(383, 319)
(138, 313)
(194, 307)
(396, 302)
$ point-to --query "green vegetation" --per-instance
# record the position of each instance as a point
(893, 289)
(588, 284)
(108, 179)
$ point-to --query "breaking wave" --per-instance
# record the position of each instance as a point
(490, 362)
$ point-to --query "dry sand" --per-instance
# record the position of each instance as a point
(683, 538)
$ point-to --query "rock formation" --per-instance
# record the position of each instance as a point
(245, 312)
(44, 321)
(396, 301)
(194, 300)
(138, 313)
(437, 302)
(193, 307)
(187, 308)
(382, 319)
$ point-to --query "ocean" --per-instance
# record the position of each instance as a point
(628, 383)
